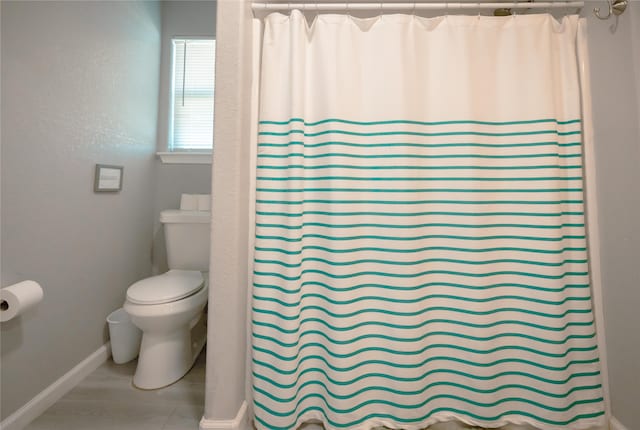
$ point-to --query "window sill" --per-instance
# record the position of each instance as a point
(185, 157)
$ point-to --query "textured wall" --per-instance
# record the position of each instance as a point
(79, 87)
(634, 13)
(617, 141)
(179, 18)
(227, 336)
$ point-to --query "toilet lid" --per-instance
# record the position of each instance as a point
(168, 287)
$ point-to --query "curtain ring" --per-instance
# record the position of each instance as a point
(596, 11)
(414, 9)
(348, 10)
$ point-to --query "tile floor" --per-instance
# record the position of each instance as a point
(106, 400)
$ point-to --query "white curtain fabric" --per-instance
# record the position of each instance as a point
(420, 250)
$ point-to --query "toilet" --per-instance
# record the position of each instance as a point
(168, 308)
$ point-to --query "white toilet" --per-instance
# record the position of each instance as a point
(169, 308)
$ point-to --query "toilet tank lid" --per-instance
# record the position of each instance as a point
(179, 216)
(168, 287)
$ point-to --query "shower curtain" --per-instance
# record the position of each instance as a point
(420, 247)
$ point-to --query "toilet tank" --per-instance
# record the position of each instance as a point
(187, 237)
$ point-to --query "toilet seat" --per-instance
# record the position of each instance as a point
(168, 287)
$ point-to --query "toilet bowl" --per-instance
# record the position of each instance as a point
(169, 310)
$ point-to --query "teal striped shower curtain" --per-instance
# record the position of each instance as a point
(420, 249)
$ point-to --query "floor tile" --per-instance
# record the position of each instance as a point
(107, 400)
(68, 422)
(185, 417)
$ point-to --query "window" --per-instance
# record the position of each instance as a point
(192, 91)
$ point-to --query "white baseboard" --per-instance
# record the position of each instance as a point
(616, 425)
(240, 422)
(47, 397)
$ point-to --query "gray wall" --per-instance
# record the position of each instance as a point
(616, 96)
(179, 18)
(79, 86)
(634, 13)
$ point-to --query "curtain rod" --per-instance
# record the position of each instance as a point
(415, 6)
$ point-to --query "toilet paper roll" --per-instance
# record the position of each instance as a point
(189, 202)
(18, 298)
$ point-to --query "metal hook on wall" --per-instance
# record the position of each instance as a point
(616, 7)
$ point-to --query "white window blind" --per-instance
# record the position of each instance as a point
(192, 94)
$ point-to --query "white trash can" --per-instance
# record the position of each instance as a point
(125, 336)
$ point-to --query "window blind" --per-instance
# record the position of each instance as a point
(192, 93)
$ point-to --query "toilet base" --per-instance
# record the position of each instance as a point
(166, 357)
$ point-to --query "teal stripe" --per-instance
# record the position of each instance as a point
(419, 190)
(387, 122)
(475, 376)
(377, 323)
(421, 377)
(384, 299)
(395, 167)
(421, 202)
(417, 274)
(417, 133)
(416, 250)
(416, 226)
(420, 391)
(368, 145)
(420, 351)
(390, 287)
(405, 179)
(416, 156)
(422, 404)
(418, 405)
(424, 336)
(424, 417)
(416, 262)
(423, 237)
(392, 352)
(409, 214)
(420, 312)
